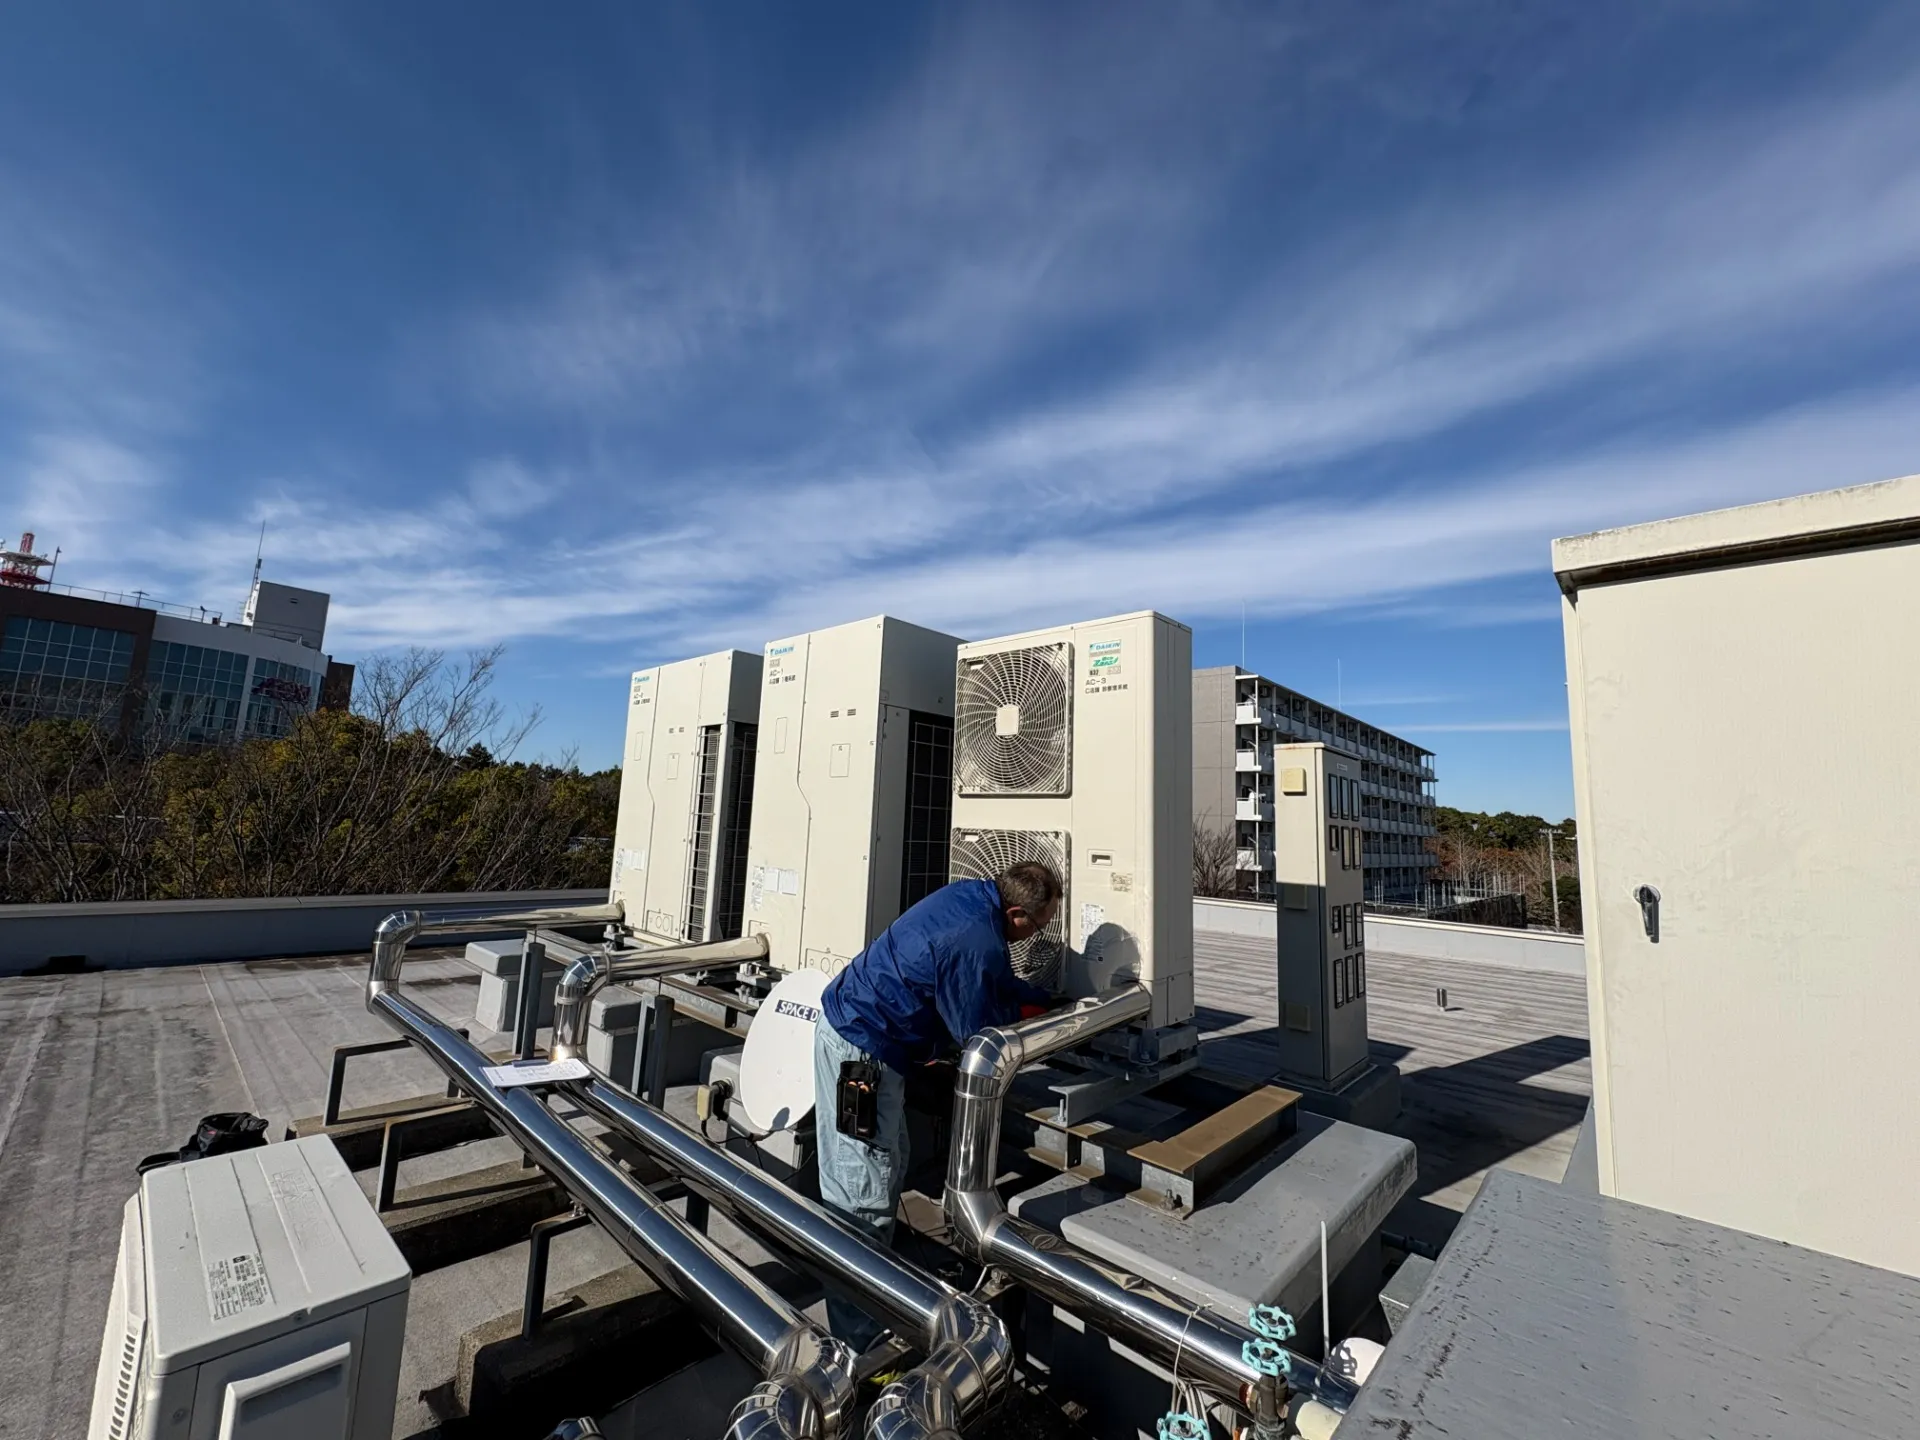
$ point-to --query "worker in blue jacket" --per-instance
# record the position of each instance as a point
(934, 978)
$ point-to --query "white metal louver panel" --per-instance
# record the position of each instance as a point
(985, 854)
(1013, 722)
(116, 1383)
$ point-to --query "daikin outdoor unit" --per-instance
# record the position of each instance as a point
(1074, 746)
(686, 797)
(852, 790)
(257, 1297)
(1321, 885)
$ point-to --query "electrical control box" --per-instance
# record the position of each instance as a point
(1743, 687)
(257, 1297)
(852, 787)
(1074, 746)
(1320, 886)
(686, 797)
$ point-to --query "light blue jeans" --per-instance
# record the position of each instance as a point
(859, 1179)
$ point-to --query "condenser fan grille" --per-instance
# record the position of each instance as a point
(986, 854)
(1013, 722)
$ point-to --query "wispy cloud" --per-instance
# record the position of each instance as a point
(1224, 465)
(1472, 726)
(100, 332)
(1045, 327)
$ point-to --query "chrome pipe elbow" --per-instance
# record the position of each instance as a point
(807, 1395)
(914, 1407)
(962, 1376)
(572, 999)
(390, 941)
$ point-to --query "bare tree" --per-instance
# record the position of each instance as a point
(1216, 860)
(414, 791)
(81, 807)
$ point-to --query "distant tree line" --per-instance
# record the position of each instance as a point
(1507, 851)
(413, 790)
(1479, 853)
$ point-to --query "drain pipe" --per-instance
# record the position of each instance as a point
(969, 1355)
(403, 927)
(587, 976)
(808, 1386)
(1213, 1351)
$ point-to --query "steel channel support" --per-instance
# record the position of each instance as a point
(337, 1076)
(659, 1042)
(533, 960)
(539, 1243)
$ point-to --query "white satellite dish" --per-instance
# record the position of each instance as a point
(776, 1068)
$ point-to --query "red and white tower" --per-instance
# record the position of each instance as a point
(21, 568)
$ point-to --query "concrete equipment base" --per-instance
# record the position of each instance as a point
(446, 1221)
(690, 1404)
(359, 1133)
(1404, 1289)
(1371, 1098)
(599, 1344)
(618, 1022)
(1258, 1241)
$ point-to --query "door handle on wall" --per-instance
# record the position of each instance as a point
(1648, 899)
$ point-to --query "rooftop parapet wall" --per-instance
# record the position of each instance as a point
(130, 933)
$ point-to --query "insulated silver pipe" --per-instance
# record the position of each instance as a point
(969, 1354)
(403, 927)
(809, 1383)
(585, 978)
(903, 1294)
(1202, 1346)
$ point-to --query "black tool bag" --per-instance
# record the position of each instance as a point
(220, 1134)
(857, 1100)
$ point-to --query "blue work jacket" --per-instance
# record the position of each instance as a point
(940, 973)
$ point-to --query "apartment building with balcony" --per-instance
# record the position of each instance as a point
(1238, 717)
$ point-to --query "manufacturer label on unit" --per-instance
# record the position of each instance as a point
(1103, 667)
(640, 690)
(236, 1284)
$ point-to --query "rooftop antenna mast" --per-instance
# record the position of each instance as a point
(259, 551)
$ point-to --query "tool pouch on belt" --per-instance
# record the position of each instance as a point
(857, 1101)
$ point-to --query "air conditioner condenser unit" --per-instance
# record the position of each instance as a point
(852, 788)
(257, 1297)
(686, 797)
(1074, 746)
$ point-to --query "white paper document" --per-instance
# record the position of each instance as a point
(536, 1072)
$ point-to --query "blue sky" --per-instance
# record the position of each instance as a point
(618, 333)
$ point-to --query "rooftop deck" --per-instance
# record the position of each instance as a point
(98, 1070)
(1498, 1078)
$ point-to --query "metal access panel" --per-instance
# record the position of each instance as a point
(1082, 737)
(1743, 689)
(848, 717)
(1321, 888)
(686, 792)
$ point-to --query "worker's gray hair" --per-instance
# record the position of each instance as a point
(1028, 886)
